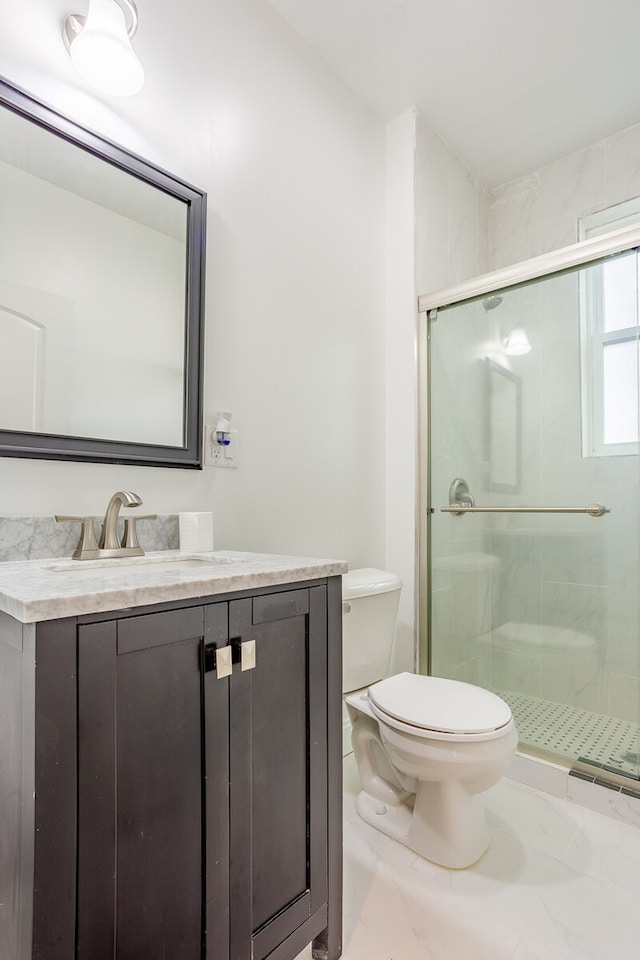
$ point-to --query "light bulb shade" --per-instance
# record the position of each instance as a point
(517, 343)
(102, 53)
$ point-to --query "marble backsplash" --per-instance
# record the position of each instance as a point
(37, 538)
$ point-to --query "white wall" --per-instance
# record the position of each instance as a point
(293, 167)
(437, 228)
(397, 444)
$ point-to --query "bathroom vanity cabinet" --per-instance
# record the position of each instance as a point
(187, 772)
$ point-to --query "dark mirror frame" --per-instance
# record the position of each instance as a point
(14, 443)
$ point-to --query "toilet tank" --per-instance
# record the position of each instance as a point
(369, 608)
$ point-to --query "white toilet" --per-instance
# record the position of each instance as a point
(425, 746)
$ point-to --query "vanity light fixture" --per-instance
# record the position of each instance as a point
(100, 49)
(517, 343)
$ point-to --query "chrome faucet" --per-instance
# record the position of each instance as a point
(110, 545)
(109, 539)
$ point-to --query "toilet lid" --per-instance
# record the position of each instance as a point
(433, 703)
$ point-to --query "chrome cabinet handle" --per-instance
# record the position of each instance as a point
(218, 659)
(244, 653)
(222, 659)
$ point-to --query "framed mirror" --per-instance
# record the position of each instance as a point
(101, 297)
(504, 429)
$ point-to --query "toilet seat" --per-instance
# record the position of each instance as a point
(440, 709)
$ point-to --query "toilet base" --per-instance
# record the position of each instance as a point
(451, 831)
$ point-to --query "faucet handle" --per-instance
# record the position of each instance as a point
(87, 547)
(130, 536)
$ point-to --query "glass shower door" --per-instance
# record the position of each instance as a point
(533, 396)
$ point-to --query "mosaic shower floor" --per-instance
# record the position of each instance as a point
(556, 728)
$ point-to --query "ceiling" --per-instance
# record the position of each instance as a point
(510, 84)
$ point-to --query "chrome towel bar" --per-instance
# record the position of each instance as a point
(593, 509)
(461, 501)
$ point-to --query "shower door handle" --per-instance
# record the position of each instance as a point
(592, 509)
(461, 501)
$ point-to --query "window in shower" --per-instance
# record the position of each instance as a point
(610, 347)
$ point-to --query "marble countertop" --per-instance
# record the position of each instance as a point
(33, 590)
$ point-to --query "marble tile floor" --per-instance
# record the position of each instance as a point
(559, 882)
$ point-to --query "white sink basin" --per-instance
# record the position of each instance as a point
(173, 562)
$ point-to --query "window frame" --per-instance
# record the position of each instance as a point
(594, 338)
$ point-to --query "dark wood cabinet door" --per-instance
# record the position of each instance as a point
(202, 800)
(216, 763)
(278, 764)
(143, 744)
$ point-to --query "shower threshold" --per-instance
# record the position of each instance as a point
(592, 741)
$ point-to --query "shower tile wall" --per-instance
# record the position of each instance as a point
(452, 214)
(536, 214)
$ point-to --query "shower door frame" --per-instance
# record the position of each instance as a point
(556, 262)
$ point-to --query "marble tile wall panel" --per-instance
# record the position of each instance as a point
(36, 538)
(513, 226)
(538, 213)
(452, 214)
(574, 185)
(622, 165)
